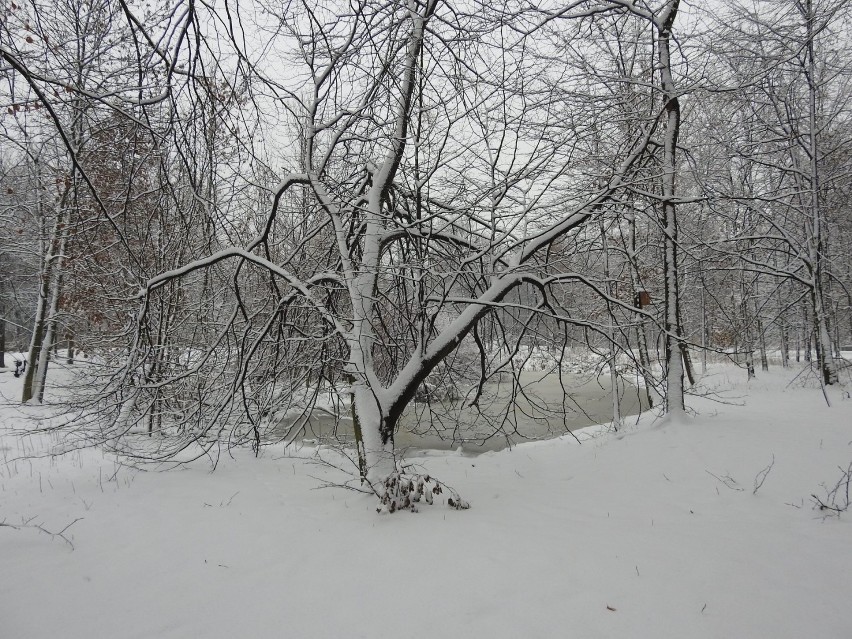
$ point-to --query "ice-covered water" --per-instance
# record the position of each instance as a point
(544, 406)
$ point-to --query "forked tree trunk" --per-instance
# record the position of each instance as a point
(48, 298)
(51, 317)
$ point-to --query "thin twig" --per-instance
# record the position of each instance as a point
(27, 525)
(761, 476)
(727, 481)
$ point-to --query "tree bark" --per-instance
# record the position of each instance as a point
(825, 360)
(675, 344)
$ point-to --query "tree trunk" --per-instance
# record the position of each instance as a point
(641, 337)
(764, 360)
(675, 345)
(363, 465)
(2, 329)
(70, 359)
(613, 371)
(783, 331)
(39, 328)
(836, 334)
(51, 265)
(806, 332)
(746, 339)
(51, 318)
(828, 370)
(376, 433)
(704, 336)
(761, 337)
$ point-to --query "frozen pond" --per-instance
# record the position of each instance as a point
(544, 408)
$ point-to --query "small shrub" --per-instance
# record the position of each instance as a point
(402, 490)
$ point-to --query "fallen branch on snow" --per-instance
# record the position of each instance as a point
(761, 476)
(836, 499)
(27, 524)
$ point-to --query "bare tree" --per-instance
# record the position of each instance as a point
(454, 188)
(790, 100)
(432, 187)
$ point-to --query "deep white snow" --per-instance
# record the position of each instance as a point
(652, 532)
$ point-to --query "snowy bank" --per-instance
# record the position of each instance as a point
(653, 532)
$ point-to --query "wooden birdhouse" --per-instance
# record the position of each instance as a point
(642, 299)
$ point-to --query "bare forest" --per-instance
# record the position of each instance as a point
(240, 223)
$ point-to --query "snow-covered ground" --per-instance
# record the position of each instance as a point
(652, 532)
